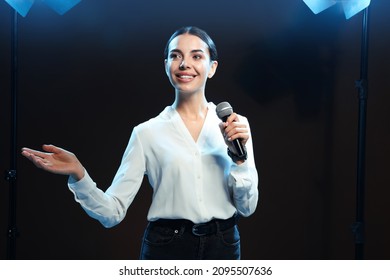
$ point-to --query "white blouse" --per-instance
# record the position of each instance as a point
(191, 180)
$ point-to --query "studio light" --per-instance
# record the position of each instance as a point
(350, 7)
(60, 6)
(21, 7)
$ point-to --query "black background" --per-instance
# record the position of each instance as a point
(88, 77)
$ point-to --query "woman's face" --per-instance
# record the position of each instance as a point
(188, 65)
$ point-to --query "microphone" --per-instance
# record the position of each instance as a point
(224, 110)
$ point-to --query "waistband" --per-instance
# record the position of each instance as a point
(201, 229)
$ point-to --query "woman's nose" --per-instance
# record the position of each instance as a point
(183, 64)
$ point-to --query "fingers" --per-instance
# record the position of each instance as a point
(233, 129)
(38, 160)
(55, 160)
(51, 149)
(27, 152)
(232, 118)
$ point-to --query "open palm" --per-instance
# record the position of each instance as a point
(55, 160)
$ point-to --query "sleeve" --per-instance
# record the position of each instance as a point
(243, 179)
(110, 207)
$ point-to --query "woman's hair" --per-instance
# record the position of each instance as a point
(196, 32)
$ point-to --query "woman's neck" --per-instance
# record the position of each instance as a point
(191, 107)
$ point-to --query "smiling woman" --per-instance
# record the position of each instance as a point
(199, 191)
(188, 67)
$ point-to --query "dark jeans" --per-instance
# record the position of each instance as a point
(177, 240)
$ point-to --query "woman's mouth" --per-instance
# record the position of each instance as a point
(185, 77)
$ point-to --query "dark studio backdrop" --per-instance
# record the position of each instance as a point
(88, 77)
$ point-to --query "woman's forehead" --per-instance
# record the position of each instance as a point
(187, 42)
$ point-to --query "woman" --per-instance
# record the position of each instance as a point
(199, 189)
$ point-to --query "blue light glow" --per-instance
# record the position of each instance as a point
(350, 7)
(317, 6)
(21, 6)
(60, 6)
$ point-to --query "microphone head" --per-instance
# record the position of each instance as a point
(224, 110)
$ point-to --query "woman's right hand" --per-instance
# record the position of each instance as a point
(56, 160)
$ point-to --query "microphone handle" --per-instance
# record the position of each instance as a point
(236, 142)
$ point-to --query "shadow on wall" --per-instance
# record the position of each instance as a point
(300, 62)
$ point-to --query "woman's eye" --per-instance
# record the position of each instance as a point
(175, 55)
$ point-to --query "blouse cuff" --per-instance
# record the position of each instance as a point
(239, 171)
(82, 187)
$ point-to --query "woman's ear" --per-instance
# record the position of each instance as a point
(213, 69)
(166, 66)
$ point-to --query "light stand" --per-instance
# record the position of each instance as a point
(10, 175)
(352, 7)
(22, 7)
(362, 85)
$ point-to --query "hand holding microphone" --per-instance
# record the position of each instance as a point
(235, 132)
